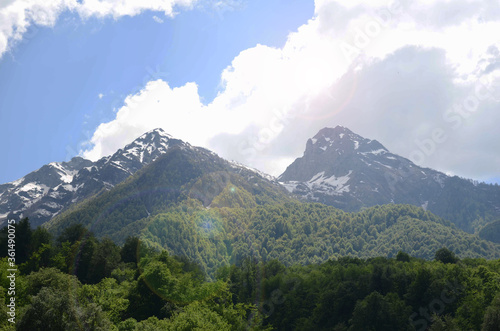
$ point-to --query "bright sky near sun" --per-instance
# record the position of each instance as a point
(251, 80)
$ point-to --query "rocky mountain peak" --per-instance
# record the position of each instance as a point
(341, 140)
(345, 170)
(45, 192)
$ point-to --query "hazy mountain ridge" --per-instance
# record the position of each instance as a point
(344, 170)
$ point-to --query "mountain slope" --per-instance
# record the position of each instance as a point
(293, 233)
(196, 204)
(183, 173)
(46, 192)
(342, 169)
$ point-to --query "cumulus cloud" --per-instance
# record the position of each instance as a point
(395, 72)
(157, 105)
(16, 16)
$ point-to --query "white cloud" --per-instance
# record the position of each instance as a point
(157, 19)
(404, 70)
(16, 16)
(100, 95)
(155, 106)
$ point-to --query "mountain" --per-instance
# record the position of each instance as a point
(184, 174)
(46, 192)
(342, 169)
(193, 203)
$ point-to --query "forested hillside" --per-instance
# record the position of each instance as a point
(237, 223)
(306, 233)
(79, 282)
(178, 175)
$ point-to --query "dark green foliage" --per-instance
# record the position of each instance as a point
(377, 312)
(403, 257)
(105, 259)
(55, 310)
(445, 255)
(130, 250)
(373, 294)
(443, 323)
(165, 292)
(33, 248)
(73, 233)
(80, 259)
(39, 237)
(492, 316)
(23, 241)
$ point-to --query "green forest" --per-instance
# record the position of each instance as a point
(236, 225)
(76, 281)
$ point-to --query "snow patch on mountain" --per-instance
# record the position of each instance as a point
(34, 190)
(236, 165)
(290, 186)
(65, 174)
(438, 178)
(375, 152)
(40, 195)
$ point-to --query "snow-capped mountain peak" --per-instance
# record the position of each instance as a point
(345, 170)
(45, 192)
(148, 146)
(342, 140)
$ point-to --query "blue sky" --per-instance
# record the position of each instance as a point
(251, 80)
(51, 81)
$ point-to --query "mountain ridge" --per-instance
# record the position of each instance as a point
(45, 192)
(344, 170)
(338, 168)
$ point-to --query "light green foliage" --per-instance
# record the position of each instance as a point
(306, 233)
(109, 295)
(197, 316)
(232, 197)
